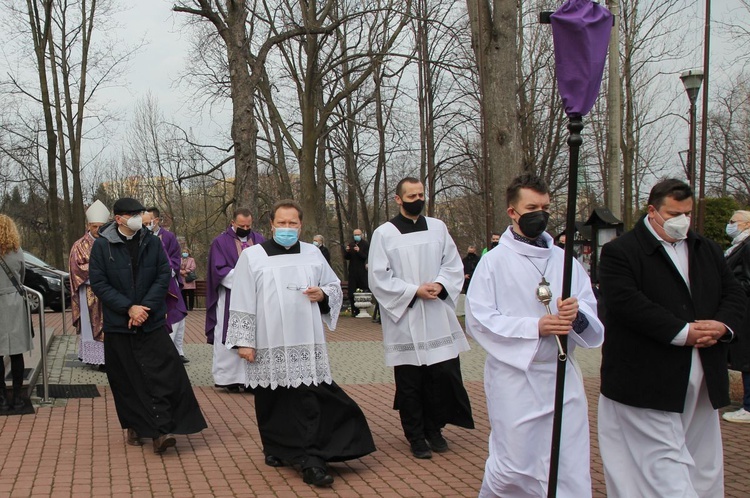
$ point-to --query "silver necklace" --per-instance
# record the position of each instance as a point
(541, 272)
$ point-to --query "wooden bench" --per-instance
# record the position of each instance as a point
(200, 293)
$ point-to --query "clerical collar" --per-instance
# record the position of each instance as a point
(273, 248)
(537, 242)
(406, 225)
(123, 236)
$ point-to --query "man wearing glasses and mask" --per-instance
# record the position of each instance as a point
(129, 273)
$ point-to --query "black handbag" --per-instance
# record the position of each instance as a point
(191, 276)
(20, 290)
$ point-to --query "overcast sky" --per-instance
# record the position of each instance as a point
(157, 66)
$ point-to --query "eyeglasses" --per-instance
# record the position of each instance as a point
(296, 287)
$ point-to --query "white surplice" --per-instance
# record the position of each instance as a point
(269, 312)
(502, 314)
(428, 332)
(227, 367)
(89, 350)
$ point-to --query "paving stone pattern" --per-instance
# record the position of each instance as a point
(76, 448)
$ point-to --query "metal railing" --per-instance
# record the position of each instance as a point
(62, 276)
(42, 341)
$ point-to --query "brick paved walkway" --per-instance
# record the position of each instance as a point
(75, 447)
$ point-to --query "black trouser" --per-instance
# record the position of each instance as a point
(188, 295)
(415, 401)
(16, 372)
(430, 396)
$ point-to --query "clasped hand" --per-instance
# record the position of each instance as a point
(562, 322)
(705, 333)
(138, 314)
(429, 291)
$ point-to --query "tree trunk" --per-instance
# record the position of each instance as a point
(244, 127)
(41, 28)
(494, 39)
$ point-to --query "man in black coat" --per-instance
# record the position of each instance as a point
(356, 253)
(130, 274)
(470, 261)
(671, 307)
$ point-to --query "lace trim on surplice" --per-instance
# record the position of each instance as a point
(289, 366)
(241, 329)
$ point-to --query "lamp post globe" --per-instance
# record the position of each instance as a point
(692, 80)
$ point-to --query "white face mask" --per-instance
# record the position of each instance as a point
(135, 223)
(733, 230)
(677, 227)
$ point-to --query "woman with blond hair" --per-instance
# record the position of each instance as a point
(15, 335)
(738, 260)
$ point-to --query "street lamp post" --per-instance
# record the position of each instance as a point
(692, 80)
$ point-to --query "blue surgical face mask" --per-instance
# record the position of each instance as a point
(286, 237)
(184, 255)
(357, 238)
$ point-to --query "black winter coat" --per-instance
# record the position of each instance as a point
(116, 286)
(647, 304)
(739, 351)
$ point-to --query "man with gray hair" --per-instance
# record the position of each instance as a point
(320, 242)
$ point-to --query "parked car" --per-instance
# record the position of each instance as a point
(44, 278)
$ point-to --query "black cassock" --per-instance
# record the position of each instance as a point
(310, 425)
(150, 386)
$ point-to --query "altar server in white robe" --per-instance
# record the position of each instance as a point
(283, 291)
(416, 274)
(505, 317)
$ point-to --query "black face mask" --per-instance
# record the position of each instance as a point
(494, 244)
(533, 223)
(242, 232)
(413, 208)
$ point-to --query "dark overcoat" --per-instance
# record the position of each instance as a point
(739, 351)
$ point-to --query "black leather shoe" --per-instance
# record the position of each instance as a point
(420, 449)
(184, 360)
(18, 403)
(233, 388)
(4, 403)
(163, 442)
(274, 461)
(437, 443)
(317, 476)
(131, 437)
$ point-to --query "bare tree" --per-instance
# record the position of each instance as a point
(494, 28)
(651, 38)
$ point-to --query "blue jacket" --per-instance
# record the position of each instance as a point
(112, 279)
